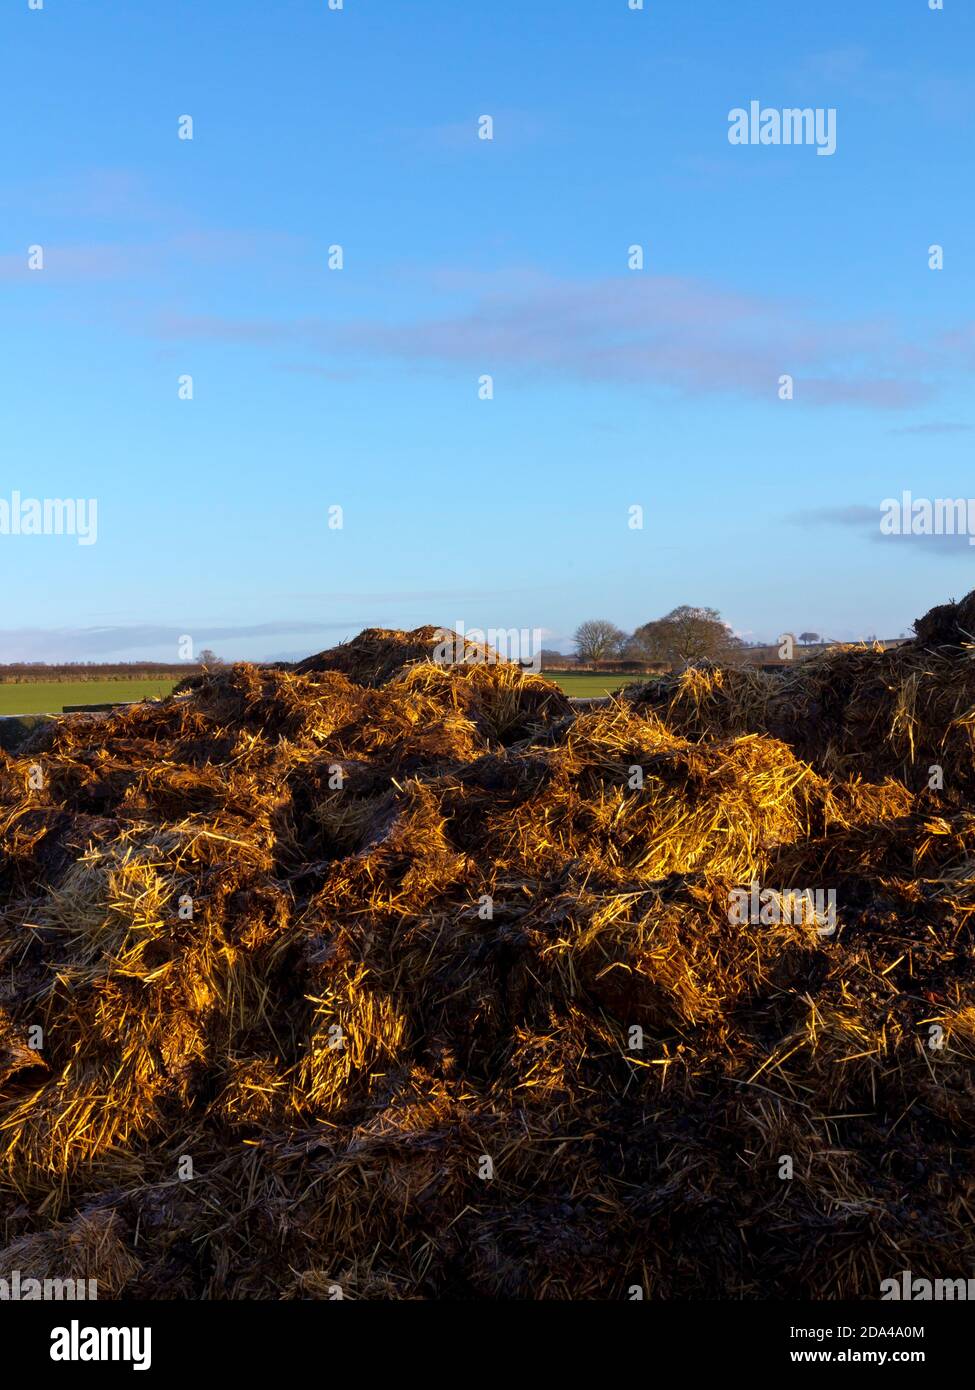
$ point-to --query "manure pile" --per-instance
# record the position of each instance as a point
(408, 981)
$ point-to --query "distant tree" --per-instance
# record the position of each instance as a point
(598, 640)
(552, 660)
(806, 637)
(683, 635)
(209, 658)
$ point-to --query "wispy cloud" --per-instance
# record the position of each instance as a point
(934, 427)
(125, 260)
(853, 70)
(96, 643)
(93, 194)
(679, 334)
(842, 65)
(883, 393)
(513, 129)
(866, 520)
(93, 200)
(854, 515)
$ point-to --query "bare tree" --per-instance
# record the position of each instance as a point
(209, 658)
(806, 637)
(598, 640)
(683, 635)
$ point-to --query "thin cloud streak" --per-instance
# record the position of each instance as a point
(93, 643)
(678, 334)
(934, 427)
(867, 521)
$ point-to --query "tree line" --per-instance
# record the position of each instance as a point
(683, 635)
(32, 672)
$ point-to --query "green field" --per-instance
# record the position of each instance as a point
(50, 697)
(590, 683)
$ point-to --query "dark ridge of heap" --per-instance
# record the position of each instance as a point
(375, 655)
(950, 624)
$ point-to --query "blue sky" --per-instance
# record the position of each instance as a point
(359, 387)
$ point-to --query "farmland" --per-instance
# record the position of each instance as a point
(50, 697)
(588, 684)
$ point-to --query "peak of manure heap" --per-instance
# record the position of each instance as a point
(411, 979)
